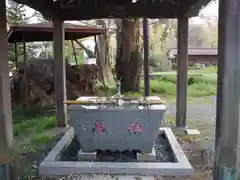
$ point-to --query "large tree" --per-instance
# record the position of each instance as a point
(102, 49)
(128, 57)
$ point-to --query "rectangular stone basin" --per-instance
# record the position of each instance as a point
(54, 166)
(128, 127)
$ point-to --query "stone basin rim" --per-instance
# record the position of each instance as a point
(161, 107)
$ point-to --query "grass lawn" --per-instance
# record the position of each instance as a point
(201, 83)
(33, 133)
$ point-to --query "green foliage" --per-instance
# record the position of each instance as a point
(160, 33)
(162, 87)
(132, 94)
(16, 14)
(72, 60)
(160, 61)
(35, 119)
(41, 139)
(201, 89)
(200, 86)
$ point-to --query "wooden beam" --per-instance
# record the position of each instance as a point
(146, 54)
(108, 12)
(16, 54)
(227, 148)
(6, 132)
(59, 72)
(25, 76)
(182, 70)
(79, 10)
(74, 52)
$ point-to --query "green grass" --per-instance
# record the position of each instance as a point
(30, 124)
(40, 139)
(199, 85)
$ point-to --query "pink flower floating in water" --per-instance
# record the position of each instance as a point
(98, 127)
(134, 128)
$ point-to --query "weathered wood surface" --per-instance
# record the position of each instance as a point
(228, 92)
(182, 70)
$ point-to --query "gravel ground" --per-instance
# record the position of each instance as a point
(201, 115)
(196, 110)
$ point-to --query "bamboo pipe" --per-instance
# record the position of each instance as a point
(71, 102)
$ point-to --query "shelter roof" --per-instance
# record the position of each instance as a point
(197, 51)
(44, 32)
(96, 9)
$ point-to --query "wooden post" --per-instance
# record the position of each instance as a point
(16, 54)
(59, 72)
(6, 135)
(228, 92)
(25, 78)
(74, 53)
(182, 70)
(146, 62)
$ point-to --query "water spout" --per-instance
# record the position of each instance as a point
(118, 94)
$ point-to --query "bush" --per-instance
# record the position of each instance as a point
(170, 78)
(160, 61)
(201, 89)
(162, 87)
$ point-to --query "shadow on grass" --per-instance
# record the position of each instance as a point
(21, 113)
(33, 119)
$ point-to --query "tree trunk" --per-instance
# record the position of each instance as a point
(103, 53)
(128, 58)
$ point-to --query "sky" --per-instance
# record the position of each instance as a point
(211, 9)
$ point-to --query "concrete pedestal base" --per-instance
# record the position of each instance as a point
(86, 156)
(147, 157)
(92, 156)
(53, 166)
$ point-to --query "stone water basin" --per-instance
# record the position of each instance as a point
(108, 127)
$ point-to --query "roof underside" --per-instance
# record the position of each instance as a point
(96, 9)
(44, 32)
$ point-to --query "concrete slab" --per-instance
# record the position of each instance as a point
(86, 156)
(192, 132)
(111, 177)
(52, 166)
(147, 157)
(185, 131)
